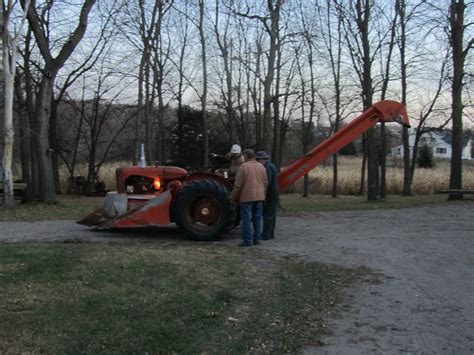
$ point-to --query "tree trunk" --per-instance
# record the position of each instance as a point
(407, 177)
(47, 193)
(364, 163)
(363, 16)
(225, 49)
(205, 134)
(33, 184)
(35, 169)
(53, 141)
(457, 32)
(383, 161)
(334, 175)
(25, 141)
(140, 115)
(256, 97)
(406, 163)
(44, 96)
(8, 137)
(276, 116)
(9, 51)
(148, 104)
(268, 82)
(372, 187)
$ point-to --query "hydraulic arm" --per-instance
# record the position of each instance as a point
(382, 111)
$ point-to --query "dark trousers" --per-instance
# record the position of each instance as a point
(269, 218)
(251, 222)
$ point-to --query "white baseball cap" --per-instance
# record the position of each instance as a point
(236, 149)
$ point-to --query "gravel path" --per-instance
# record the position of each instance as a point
(424, 257)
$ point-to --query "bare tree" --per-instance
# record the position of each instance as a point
(386, 59)
(9, 58)
(225, 45)
(270, 22)
(151, 73)
(202, 93)
(362, 55)
(95, 124)
(52, 65)
(180, 64)
(255, 89)
(161, 55)
(105, 118)
(70, 154)
(400, 7)
(202, 37)
(284, 113)
(248, 100)
(273, 32)
(84, 63)
(308, 95)
(24, 92)
(426, 112)
(459, 52)
(411, 37)
(333, 44)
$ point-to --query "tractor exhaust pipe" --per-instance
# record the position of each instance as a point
(142, 156)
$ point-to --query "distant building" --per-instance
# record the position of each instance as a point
(440, 141)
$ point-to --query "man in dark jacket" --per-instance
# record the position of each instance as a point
(271, 200)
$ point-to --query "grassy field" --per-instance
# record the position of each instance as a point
(150, 297)
(294, 204)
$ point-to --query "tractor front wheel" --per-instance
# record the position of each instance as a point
(203, 210)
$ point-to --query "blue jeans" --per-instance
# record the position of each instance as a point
(269, 218)
(251, 226)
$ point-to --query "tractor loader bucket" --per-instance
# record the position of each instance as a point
(155, 212)
(95, 218)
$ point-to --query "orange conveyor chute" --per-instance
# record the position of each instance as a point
(382, 111)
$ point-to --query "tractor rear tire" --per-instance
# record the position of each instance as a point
(203, 210)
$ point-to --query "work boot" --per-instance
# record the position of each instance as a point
(243, 244)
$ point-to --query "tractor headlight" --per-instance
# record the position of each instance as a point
(157, 184)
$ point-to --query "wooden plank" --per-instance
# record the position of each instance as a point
(454, 191)
(17, 187)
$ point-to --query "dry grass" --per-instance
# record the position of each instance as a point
(106, 174)
(426, 181)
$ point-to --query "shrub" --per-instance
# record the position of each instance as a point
(425, 157)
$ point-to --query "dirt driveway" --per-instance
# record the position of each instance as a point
(424, 257)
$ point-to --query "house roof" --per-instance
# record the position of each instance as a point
(447, 137)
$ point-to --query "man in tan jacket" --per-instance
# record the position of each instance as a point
(249, 191)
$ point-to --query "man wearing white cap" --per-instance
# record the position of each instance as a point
(234, 158)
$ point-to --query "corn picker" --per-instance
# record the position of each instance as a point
(198, 203)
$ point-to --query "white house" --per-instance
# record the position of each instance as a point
(439, 140)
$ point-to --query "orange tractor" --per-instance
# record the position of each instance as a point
(199, 203)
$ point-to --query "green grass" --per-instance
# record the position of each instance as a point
(90, 298)
(68, 207)
(295, 204)
(76, 207)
